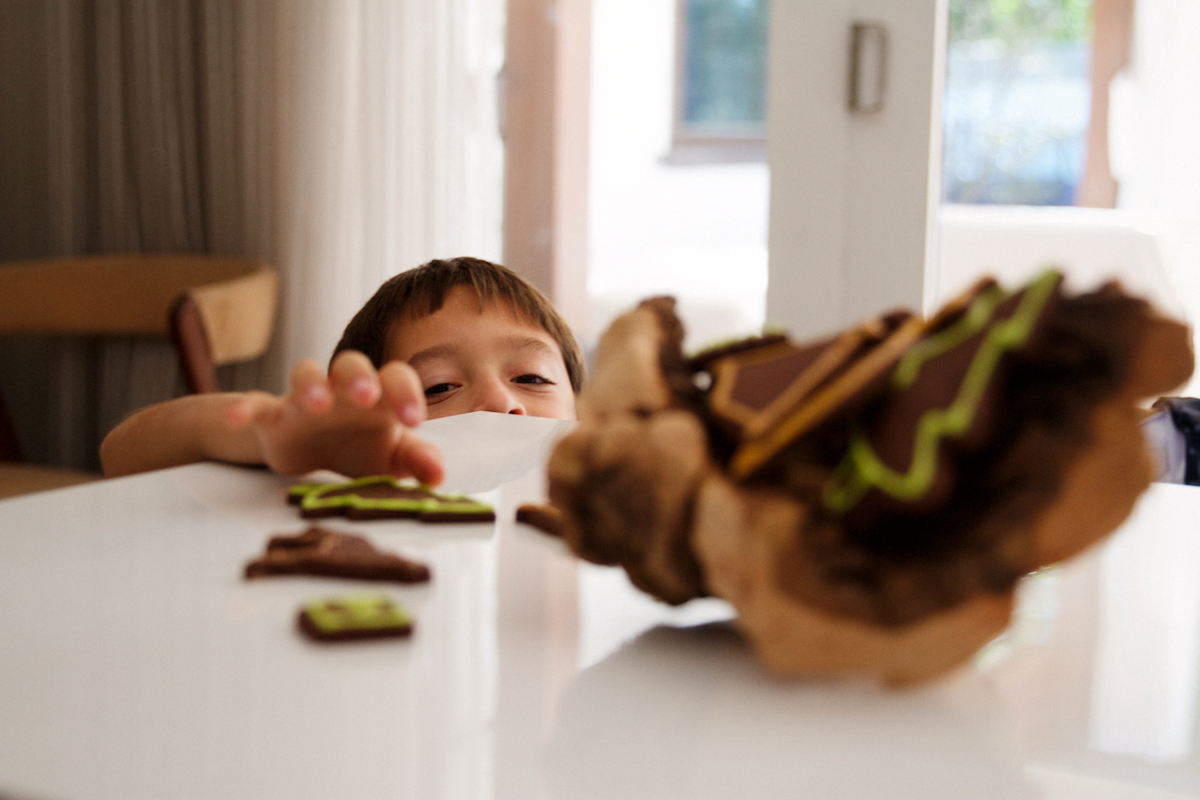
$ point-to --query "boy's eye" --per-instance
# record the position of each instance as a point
(532, 378)
(438, 388)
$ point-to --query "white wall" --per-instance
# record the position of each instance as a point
(1149, 255)
(1014, 243)
(694, 231)
(1155, 113)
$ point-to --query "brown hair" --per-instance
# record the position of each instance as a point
(420, 292)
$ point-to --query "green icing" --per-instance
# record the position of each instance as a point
(356, 612)
(976, 318)
(443, 505)
(313, 496)
(861, 469)
(301, 489)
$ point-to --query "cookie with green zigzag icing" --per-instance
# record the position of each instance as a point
(878, 517)
(772, 395)
(982, 429)
(354, 617)
(385, 497)
(942, 399)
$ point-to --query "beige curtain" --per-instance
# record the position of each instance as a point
(342, 140)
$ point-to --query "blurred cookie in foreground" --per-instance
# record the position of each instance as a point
(869, 501)
(545, 518)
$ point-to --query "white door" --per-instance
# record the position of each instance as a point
(854, 194)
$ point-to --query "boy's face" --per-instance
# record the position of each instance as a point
(489, 360)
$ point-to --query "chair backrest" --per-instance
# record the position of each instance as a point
(225, 322)
(217, 310)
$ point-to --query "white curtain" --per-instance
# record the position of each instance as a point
(389, 150)
(341, 140)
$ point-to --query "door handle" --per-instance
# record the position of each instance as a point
(868, 67)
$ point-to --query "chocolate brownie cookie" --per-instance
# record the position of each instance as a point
(318, 551)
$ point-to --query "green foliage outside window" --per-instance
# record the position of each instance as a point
(1016, 103)
(725, 66)
(1016, 21)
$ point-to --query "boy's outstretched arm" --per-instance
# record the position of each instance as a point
(356, 421)
(180, 431)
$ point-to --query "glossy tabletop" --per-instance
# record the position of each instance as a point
(136, 662)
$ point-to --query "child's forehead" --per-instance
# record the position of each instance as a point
(462, 308)
(464, 302)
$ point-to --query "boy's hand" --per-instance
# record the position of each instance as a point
(356, 421)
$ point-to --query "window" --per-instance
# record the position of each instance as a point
(720, 103)
(1018, 109)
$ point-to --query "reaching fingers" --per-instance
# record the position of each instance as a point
(419, 458)
(354, 379)
(402, 392)
(309, 387)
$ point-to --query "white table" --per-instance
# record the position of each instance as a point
(135, 662)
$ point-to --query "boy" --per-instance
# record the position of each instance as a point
(446, 338)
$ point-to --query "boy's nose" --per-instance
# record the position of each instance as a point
(494, 395)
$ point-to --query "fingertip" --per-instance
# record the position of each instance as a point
(412, 413)
(363, 391)
(402, 390)
(353, 377)
(433, 476)
(424, 461)
(317, 397)
(432, 471)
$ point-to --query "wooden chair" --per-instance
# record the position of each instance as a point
(216, 310)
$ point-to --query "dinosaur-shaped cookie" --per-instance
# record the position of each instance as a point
(384, 497)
